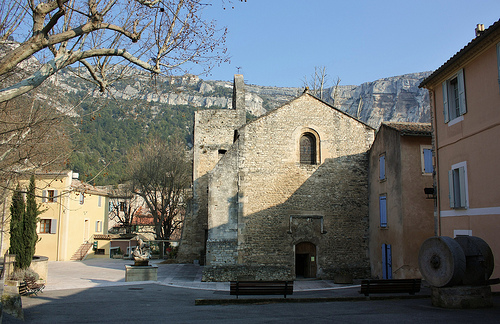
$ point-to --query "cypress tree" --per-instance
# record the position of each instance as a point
(29, 226)
(17, 210)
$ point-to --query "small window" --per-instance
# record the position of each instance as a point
(49, 196)
(454, 102)
(82, 198)
(457, 181)
(98, 226)
(426, 159)
(45, 225)
(308, 149)
(99, 203)
(383, 211)
(381, 161)
(123, 206)
(222, 152)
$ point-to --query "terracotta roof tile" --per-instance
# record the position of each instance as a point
(421, 129)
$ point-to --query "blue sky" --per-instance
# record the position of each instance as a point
(278, 42)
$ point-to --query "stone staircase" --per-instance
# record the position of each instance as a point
(81, 252)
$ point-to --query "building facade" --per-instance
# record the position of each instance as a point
(465, 103)
(401, 213)
(73, 212)
(285, 195)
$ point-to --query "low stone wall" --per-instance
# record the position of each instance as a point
(244, 272)
(40, 264)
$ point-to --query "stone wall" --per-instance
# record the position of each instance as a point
(282, 202)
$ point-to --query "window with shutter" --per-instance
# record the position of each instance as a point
(383, 211)
(498, 63)
(454, 100)
(457, 182)
(381, 161)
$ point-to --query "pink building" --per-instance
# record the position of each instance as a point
(465, 104)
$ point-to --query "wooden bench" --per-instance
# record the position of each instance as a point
(30, 287)
(261, 288)
(386, 286)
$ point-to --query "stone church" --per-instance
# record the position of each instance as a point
(282, 197)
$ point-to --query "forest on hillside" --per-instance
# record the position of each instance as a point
(104, 135)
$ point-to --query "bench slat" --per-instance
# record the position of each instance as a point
(410, 286)
(261, 288)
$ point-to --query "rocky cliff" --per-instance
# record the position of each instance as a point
(390, 99)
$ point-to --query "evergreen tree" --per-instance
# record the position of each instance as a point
(23, 221)
(29, 226)
(17, 209)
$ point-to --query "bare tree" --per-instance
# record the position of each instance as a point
(104, 37)
(124, 206)
(161, 175)
(318, 82)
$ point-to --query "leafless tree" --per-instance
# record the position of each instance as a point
(103, 37)
(319, 81)
(161, 175)
(124, 206)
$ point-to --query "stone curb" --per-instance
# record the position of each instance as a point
(227, 301)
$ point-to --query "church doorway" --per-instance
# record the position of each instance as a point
(305, 260)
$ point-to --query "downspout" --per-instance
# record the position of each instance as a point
(437, 208)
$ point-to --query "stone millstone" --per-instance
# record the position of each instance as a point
(442, 261)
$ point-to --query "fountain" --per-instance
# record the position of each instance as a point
(141, 270)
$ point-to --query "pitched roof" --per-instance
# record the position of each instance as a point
(481, 39)
(411, 129)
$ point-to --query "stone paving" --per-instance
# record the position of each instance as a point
(111, 272)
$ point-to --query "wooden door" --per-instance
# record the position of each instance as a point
(305, 260)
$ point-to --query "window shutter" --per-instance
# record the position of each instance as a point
(99, 201)
(53, 226)
(382, 167)
(384, 262)
(389, 261)
(38, 227)
(428, 161)
(451, 194)
(55, 195)
(97, 226)
(498, 63)
(110, 206)
(44, 196)
(445, 102)
(383, 211)
(461, 92)
(461, 176)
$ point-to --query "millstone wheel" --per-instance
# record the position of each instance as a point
(441, 261)
(480, 261)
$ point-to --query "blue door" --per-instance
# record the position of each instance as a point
(386, 261)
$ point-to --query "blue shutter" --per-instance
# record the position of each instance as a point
(384, 262)
(461, 177)
(55, 195)
(445, 102)
(383, 211)
(451, 192)
(389, 261)
(44, 196)
(428, 168)
(382, 167)
(461, 92)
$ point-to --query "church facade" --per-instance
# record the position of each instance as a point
(282, 197)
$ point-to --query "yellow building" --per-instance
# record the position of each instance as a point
(73, 213)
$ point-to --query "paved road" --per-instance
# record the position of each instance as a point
(99, 295)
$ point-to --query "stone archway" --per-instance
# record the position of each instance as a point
(305, 260)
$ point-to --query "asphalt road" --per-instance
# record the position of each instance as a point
(153, 303)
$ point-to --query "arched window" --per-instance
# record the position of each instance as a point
(308, 149)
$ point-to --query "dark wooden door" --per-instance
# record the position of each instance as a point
(305, 260)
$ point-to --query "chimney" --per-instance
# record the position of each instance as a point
(479, 30)
(239, 97)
